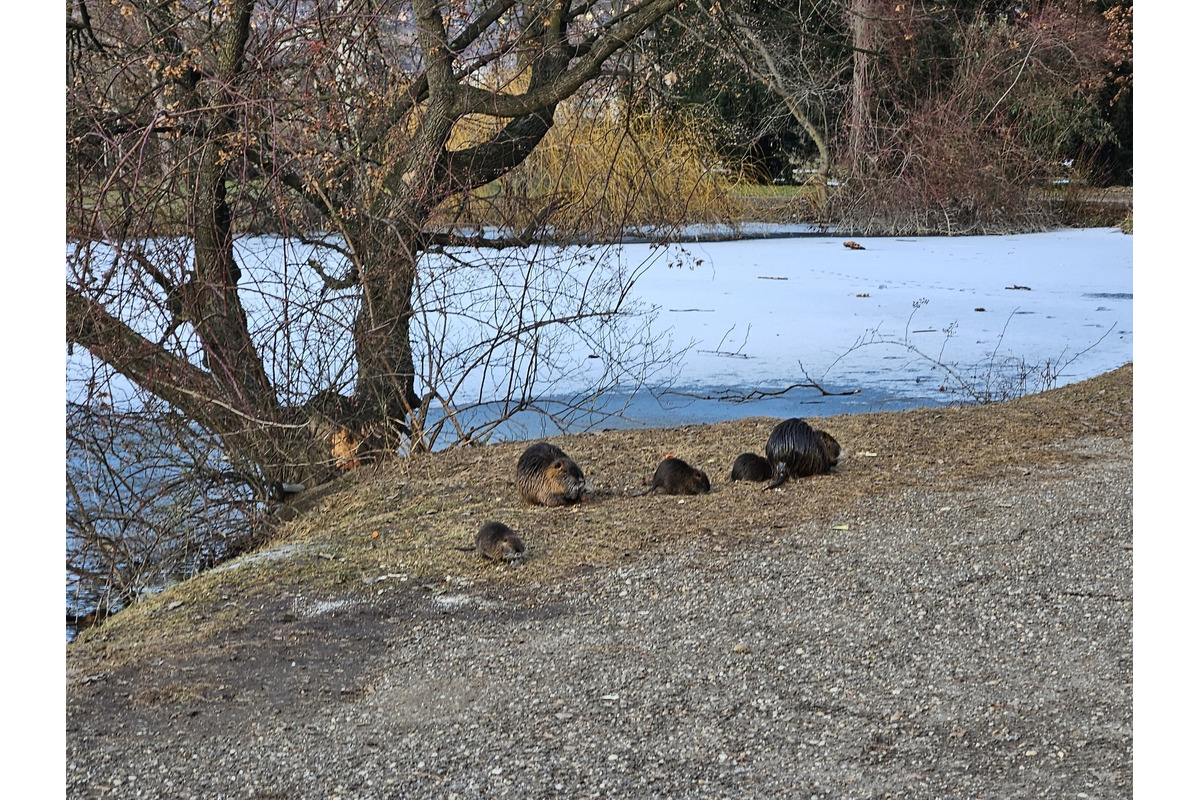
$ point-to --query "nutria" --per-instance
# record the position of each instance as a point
(750, 467)
(547, 476)
(676, 476)
(498, 542)
(833, 450)
(795, 450)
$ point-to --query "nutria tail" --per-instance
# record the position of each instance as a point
(676, 476)
(795, 450)
(750, 467)
(548, 476)
(498, 542)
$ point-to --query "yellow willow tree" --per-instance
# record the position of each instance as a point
(346, 125)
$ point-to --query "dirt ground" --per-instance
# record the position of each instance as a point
(947, 615)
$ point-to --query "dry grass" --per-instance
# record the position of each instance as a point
(601, 174)
(403, 521)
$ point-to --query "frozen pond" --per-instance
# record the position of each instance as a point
(764, 315)
(899, 321)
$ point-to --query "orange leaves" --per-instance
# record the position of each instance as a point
(344, 449)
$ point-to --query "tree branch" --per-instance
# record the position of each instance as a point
(616, 35)
(147, 364)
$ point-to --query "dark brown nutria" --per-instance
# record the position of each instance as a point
(833, 450)
(796, 450)
(498, 542)
(676, 476)
(750, 467)
(548, 476)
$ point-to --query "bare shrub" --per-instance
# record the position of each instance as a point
(971, 146)
(990, 380)
(944, 177)
(151, 499)
(537, 333)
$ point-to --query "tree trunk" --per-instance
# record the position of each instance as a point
(385, 390)
(862, 28)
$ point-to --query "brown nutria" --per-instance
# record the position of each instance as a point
(498, 542)
(833, 450)
(548, 476)
(676, 476)
(750, 467)
(796, 450)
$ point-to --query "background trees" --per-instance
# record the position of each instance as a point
(970, 111)
(937, 116)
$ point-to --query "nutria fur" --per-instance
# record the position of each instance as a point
(548, 476)
(750, 467)
(833, 450)
(676, 476)
(796, 450)
(498, 542)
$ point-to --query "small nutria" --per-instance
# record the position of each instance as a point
(676, 476)
(795, 450)
(498, 542)
(548, 476)
(750, 467)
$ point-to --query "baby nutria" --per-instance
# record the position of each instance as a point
(676, 476)
(795, 450)
(498, 542)
(547, 476)
(750, 467)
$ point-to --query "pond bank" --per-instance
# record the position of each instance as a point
(948, 614)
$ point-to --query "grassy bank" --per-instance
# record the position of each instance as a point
(395, 528)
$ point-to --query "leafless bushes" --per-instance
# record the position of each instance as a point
(964, 147)
(150, 499)
(529, 334)
(993, 379)
(943, 178)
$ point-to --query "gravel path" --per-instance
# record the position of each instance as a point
(967, 644)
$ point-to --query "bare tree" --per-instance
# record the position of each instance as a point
(348, 126)
(960, 112)
(800, 54)
(860, 127)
